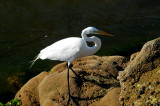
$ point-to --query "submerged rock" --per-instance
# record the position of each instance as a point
(96, 77)
(140, 79)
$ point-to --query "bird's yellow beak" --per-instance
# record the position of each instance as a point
(104, 33)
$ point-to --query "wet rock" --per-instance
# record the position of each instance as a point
(143, 73)
(94, 78)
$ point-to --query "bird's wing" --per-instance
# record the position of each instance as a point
(62, 50)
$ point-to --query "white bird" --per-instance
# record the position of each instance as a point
(69, 49)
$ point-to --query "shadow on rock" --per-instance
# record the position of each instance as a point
(93, 79)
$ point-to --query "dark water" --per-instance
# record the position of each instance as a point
(26, 27)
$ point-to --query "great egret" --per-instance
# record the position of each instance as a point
(71, 48)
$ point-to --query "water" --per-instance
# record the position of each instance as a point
(26, 27)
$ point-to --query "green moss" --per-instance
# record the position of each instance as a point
(49, 71)
(1, 104)
(13, 102)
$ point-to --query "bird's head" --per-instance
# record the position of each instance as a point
(93, 30)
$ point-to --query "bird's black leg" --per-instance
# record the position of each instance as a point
(72, 69)
(69, 95)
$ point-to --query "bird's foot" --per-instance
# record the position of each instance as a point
(71, 98)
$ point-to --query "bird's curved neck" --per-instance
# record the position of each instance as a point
(96, 40)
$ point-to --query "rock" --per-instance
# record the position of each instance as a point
(109, 64)
(28, 94)
(95, 82)
(133, 56)
(139, 79)
(110, 99)
(94, 78)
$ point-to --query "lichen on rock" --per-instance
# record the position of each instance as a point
(140, 79)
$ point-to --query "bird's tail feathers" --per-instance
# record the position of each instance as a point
(33, 61)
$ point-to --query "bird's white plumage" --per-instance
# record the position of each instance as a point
(63, 50)
(71, 48)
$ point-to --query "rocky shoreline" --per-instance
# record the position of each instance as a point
(95, 82)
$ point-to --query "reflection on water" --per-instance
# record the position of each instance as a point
(26, 27)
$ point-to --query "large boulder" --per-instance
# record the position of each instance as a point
(95, 77)
(140, 81)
